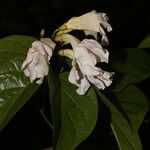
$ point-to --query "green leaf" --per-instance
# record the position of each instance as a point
(131, 66)
(135, 105)
(145, 43)
(78, 115)
(16, 43)
(15, 88)
(55, 101)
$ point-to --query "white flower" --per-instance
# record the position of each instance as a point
(86, 54)
(36, 64)
(92, 23)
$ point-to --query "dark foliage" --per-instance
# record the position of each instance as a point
(130, 21)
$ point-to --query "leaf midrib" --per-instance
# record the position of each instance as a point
(122, 132)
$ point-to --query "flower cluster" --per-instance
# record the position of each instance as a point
(36, 64)
(85, 54)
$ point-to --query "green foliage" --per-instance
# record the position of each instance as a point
(145, 43)
(134, 103)
(78, 115)
(127, 104)
(130, 66)
(130, 104)
(127, 116)
(74, 116)
(15, 88)
(135, 106)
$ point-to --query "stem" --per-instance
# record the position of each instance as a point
(45, 118)
(55, 33)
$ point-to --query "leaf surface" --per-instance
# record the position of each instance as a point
(125, 123)
(145, 43)
(78, 115)
(130, 66)
(15, 87)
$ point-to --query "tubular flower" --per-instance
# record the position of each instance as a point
(36, 64)
(86, 54)
(92, 23)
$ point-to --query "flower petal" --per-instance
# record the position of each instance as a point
(102, 80)
(88, 21)
(74, 76)
(90, 32)
(84, 57)
(106, 78)
(36, 64)
(91, 23)
(94, 47)
(68, 39)
(84, 86)
(48, 42)
(49, 45)
(26, 72)
(98, 83)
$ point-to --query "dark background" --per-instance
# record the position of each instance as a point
(130, 21)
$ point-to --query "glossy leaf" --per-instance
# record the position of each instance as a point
(145, 43)
(134, 104)
(78, 115)
(130, 66)
(15, 88)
